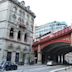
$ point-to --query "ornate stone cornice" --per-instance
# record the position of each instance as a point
(21, 6)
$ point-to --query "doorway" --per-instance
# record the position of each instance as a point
(9, 56)
(17, 58)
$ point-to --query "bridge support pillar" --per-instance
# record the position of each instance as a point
(39, 59)
(58, 59)
(26, 59)
(61, 59)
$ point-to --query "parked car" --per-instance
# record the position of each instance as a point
(7, 65)
(50, 63)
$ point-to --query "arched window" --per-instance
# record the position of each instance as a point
(32, 19)
(13, 18)
(28, 16)
(25, 37)
(27, 24)
(23, 14)
(22, 21)
(20, 12)
(15, 9)
(11, 32)
(19, 35)
(19, 19)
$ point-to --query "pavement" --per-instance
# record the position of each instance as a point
(66, 69)
(42, 68)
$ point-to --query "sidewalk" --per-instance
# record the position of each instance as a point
(25, 67)
(66, 69)
(21, 68)
(30, 66)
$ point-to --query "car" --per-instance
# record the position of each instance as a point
(7, 65)
(1, 69)
(51, 63)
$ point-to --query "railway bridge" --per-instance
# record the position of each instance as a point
(54, 47)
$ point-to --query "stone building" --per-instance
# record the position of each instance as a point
(16, 31)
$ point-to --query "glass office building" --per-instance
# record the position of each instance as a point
(49, 28)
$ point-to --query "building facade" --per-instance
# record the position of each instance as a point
(49, 28)
(16, 31)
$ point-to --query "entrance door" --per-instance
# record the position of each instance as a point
(9, 56)
(17, 58)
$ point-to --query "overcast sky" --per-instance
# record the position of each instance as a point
(51, 10)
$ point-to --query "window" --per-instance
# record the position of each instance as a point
(11, 32)
(23, 14)
(20, 12)
(28, 16)
(22, 21)
(32, 19)
(13, 18)
(17, 58)
(19, 19)
(9, 56)
(19, 35)
(15, 9)
(32, 27)
(27, 23)
(25, 37)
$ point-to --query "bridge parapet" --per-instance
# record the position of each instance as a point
(54, 35)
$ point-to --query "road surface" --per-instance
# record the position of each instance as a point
(37, 68)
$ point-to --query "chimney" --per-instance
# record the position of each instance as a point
(28, 7)
(22, 3)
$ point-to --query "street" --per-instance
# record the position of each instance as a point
(37, 68)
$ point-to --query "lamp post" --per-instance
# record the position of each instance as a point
(39, 52)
